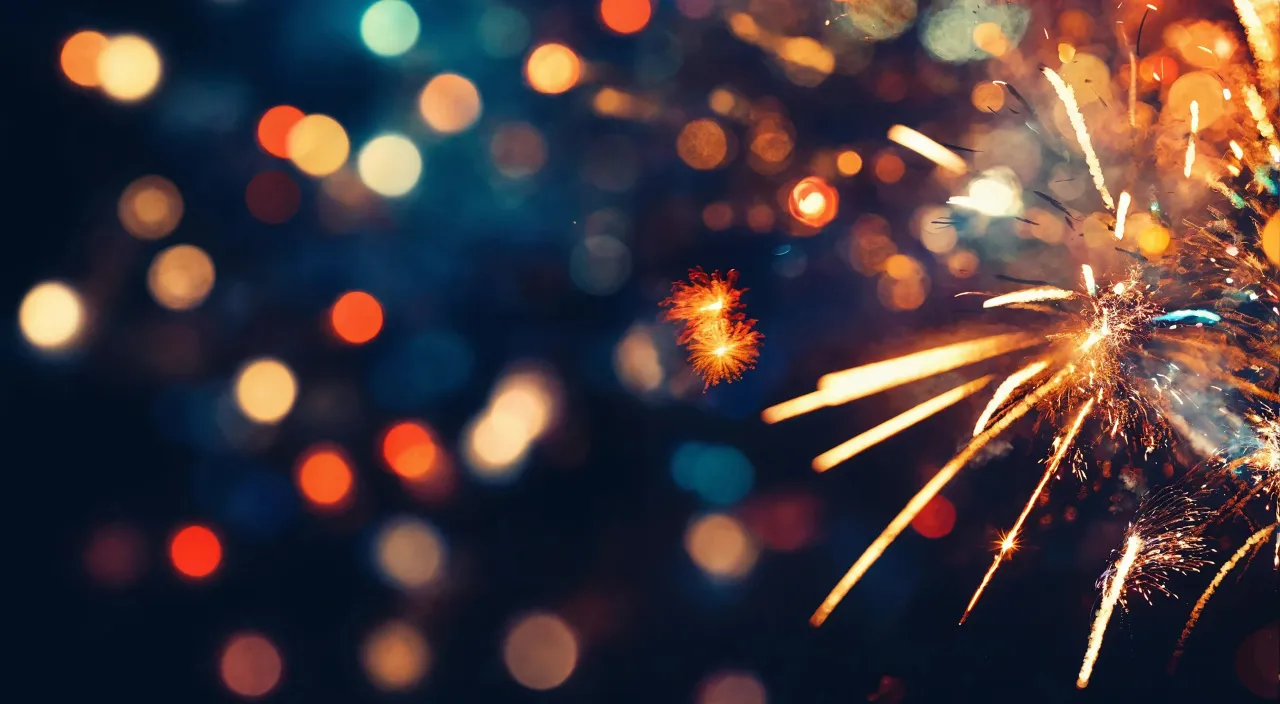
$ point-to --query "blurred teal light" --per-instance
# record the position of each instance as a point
(719, 474)
(389, 27)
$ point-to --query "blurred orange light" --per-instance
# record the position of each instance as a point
(195, 552)
(250, 665)
(273, 129)
(889, 167)
(936, 519)
(409, 450)
(324, 476)
(553, 68)
(356, 317)
(625, 16)
(273, 197)
(813, 202)
(80, 58)
(540, 651)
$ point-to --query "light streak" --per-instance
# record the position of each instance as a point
(1109, 600)
(1068, 97)
(856, 383)
(927, 148)
(1030, 295)
(897, 424)
(1260, 42)
(1258, 110)
(1090, 284)
(1005, 390)
(1198, 316)
(1122, 211)
(1191, 140)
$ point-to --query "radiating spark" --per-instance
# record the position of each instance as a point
(1198, 316)
(1030, 295)
(929, 149)
(1010, 539)
(1006, 389)
(1090, 284)
(721, 341)
(1191, 144)
(1068, 97)
(1261, 41)
(1236, 149)
(1109, 600)
(897, 424)
(1249, 546)
(1122, 211)
(1258, 110)
(926, 494)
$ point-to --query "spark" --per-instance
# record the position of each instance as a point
(721, 341)
(1068, 97)
(1122, 211)
(928, 148)
(1191, 144)
(1258, 110)
(1090, 284)
(1030, 295)
(1109, 601)
(1260, 41)
(1006, 389)
(1198, 316)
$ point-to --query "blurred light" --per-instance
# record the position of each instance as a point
(518, 150)
(265, 390)
(1271, 239)
(530, 396)
(988, 37)
(356, 317)
(504, 31)
(128, 68)
(79, 58)
(784, 522)
(987, 97)
(813, 202)
(1258, 662)
(318, 145)
(695, 9)
(115, 555)
(600, 265)
(719, 474)
(540, 651)
(729, 687)
(494, 445)
(553, 68)
(995, 193)
(718, 216)
(936, 519)
(273, 197)
(889, 167)
(250, 665)
(849, 163)
(720, 546)
(395, 656)
(180, 277)
(150, 208)
(760, 218)
(963, 264)
(51, 315)
(195, 552)
(636, 361)
(449, 103)
(274, 127)
(389, 27)
(390, 165)
(324, 476)
(625, 16)
(409, 553)
(722, 101)
(703, 144)
(409, 450)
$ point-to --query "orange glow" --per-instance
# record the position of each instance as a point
(324, 476)
(625, 16)
(250, 665)
(356, 317)
(195, 552)
(703, 144)
(813, 202)
(409, 450)
(273, 197)
(80, 58)
(553, 69)
(721, 340)
(889, 168)
(273, 129)
(937, 519)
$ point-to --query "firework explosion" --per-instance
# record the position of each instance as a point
(721, 340)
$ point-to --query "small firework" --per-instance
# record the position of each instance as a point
(721, 340)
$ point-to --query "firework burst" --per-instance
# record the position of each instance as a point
(721, 340)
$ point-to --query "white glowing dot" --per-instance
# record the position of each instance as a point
(51, 315)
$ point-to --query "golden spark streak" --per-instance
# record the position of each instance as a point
(1122, 212)
(897, 424)
(1010, 539)
(1005, 390)
(1029, 295)
(1260, 41)
(926, 494)
(927, 148)
(1114, 588)
(859, 382)
(1227, 566)
(797, 406)
(1191, 139)
(1068, 97)
(1258, 110)
(1090, 284)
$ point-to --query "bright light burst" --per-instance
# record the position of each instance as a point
(721, 340)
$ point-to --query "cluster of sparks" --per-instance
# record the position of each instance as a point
(721, 340)
(1130, 360)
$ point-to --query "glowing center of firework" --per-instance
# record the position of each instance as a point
(712, 307)
(721, 351)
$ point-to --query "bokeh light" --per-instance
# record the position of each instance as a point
(318, 145)
(250, 665)
(274, 127)
(390, 165)
(356, 317)
(324, 476)
(813, 201)
(395, 656)
(540, 651)
(180, 277)
(51, 316)
(849, 163)
(195, 552)
(936, 519)
(703, 144)
(720, 546)
(1271, 239)
(449, 103)
(409, 449)
(129, 68)
(731, 687)
(265, 390)
(79, 58)
(150, 208)
(625, 16)
(389, 27)
(409, 553)
(719, 474)
(553, 68)
(115, 555)
(518, 150)
(273, 197)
